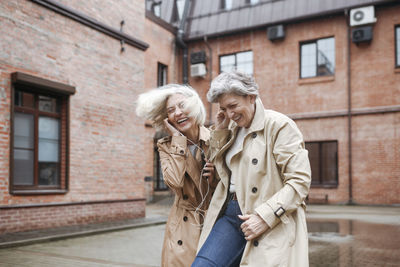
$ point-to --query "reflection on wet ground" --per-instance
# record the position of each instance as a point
(353, 243)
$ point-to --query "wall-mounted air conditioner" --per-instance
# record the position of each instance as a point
(198, 57)
(197, 70)
(276, 32)
(361, 34)
(362, 16)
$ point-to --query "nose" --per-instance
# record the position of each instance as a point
(230, 114)
(178, 111)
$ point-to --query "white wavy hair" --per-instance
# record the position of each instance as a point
(152, 105)
(235, 82)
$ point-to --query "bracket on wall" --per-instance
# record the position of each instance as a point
(122, 23)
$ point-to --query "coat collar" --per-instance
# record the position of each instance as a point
(204, 134)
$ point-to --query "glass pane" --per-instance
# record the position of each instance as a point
(245, 62)
(22, 99)
(228, 4)
(326, 56)
(48, 139)
(227, 63)
(180, 4)
(23, 130)
(313, 155)
(308, 60)
(329, 162)
(398, 46)
(48, 173)
(23, 167)
(48, 104)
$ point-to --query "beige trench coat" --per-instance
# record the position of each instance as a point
(181, 173)
(273, 173)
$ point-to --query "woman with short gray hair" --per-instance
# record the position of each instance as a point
(256, 216)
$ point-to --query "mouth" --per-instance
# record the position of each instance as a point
(236, 118)
(182, 120)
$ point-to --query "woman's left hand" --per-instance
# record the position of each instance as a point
(208, 171)
(253, 226)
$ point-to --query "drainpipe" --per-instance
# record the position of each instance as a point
(349, 108)
(182, 44)
(210, 78)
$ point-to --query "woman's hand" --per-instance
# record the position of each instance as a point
(208, 171)
(222, 120)
(171, 129)
(253, 226)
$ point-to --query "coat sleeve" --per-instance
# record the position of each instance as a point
(292, 160)
(218, 138)
(173, 161)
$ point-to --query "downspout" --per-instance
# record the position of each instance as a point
(210, 78)
(349, 108)
(182, 44)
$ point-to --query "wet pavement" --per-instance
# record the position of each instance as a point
(338, 236)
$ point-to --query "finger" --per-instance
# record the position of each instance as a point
(244, 217)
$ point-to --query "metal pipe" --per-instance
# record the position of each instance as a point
(210, 78)
(349, 108)
(182, 44)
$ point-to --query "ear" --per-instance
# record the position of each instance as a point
(252, 98)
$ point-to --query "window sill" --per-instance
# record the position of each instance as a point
(327, 186)
(38, 192)
(311, 80)
(397, 70)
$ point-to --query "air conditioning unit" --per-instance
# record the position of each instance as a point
(361, 34)
(198, 57)
(362, 16)
(276, 32)
(197, 70)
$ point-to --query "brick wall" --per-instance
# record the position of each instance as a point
(374, 83)
(105, 135)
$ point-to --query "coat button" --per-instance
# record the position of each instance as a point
(254, 135)
(185, 218)
(254, 190)
(254, 161)
(256, 243)
(180, 242)
(185, 197)
(182, 152)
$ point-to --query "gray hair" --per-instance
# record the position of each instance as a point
(232, 82)
(152, 105)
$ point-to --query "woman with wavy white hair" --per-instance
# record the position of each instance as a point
(179, 110)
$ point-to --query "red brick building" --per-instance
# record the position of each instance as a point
(332, 66)
(70, 145)
(72, 150)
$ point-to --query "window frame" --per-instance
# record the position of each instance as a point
(321, 183)
(160, 71)
(315, 41)
(38, 86)
(397, 46)
(235, 54)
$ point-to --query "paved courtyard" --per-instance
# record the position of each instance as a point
(341, 237)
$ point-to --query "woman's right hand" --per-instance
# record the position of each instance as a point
(171, 129)
(222, 120)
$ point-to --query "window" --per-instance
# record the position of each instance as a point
(154, 6)
(177, 13)
(226, 4)
(162, 74)
(324, 163)
(397, 34)
(252, 2)
(39, 142)
(317, 58)
(242, 61)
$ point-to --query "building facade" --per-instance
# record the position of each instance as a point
(332, 66)
(70, 145)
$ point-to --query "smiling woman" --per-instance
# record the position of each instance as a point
(178, 110)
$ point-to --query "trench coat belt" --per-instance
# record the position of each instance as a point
(232, 196)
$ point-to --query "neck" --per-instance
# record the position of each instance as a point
(193, 134)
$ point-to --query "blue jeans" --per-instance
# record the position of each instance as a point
(225, 244)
